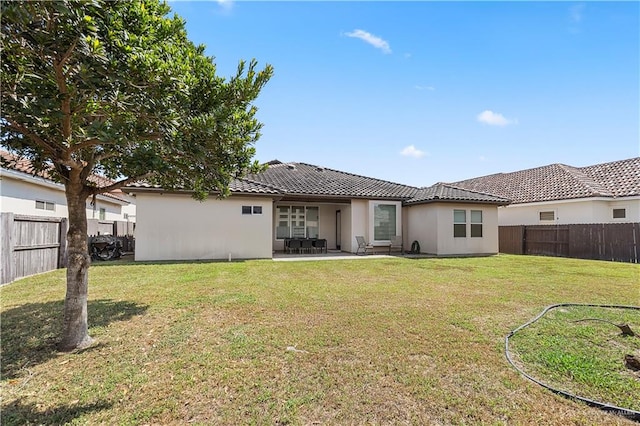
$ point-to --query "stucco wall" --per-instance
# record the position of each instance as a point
(359, 224)
(570, 212)
(431, 225)
(422, 225)
(177, 227)
(19, 197)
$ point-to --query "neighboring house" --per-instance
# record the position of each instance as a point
(561, 194)
(24, 193)
(305, 201)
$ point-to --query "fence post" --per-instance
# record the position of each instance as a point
(62, 251)
(6, 248)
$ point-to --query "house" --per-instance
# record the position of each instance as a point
(559, 194)
(22, 192)
(299, 200)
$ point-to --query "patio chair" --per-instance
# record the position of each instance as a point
(295, 245)
(307, 246)
(362, 245)
(396, 243)
(320, 245)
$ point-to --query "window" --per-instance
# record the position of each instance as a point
(103, 213)
(246, 209)
(257, 209)
(546, 216)
(297, 222)
(619, 213)
(459, 223)
(476, 223)
(45, 205)
(384, 222)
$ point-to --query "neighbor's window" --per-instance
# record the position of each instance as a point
(103, 214)
(459, 223)
(246, 209)
(257, 209)
(619, 213)
(550, 215)
(476, 223)
(297, 222)
(45, 205)
(384, 222)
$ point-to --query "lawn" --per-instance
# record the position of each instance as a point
(373, 341)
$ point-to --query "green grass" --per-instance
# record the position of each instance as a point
(384, 341)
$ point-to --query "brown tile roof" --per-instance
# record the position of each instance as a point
(308, 179)
(446, 192)
(23, 165)
(561, 182)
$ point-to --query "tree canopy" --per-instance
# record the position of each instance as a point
(116, 88)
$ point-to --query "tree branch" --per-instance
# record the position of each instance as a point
(15, 126)
(120, 184)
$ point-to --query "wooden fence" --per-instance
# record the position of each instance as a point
(32, 244)
(611, 241)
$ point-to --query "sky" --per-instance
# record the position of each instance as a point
(425, 92)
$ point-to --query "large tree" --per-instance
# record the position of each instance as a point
(116, 88)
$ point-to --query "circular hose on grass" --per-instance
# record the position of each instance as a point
(625, 412)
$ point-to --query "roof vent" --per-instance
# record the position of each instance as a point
(291, 166)
(320, 169)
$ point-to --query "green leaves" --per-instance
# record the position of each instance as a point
(117, 87)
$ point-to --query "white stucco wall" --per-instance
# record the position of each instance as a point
(19, 197)
(177, 227)
(431, 225)
(571, 212)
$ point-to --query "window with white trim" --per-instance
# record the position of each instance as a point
(103, 214)
(619, 213)
(459, 223)
(384, 222)
(297, 222)
(547, 216)
(476, 223)
(45, 205)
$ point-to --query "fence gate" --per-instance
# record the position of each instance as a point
(30, 245)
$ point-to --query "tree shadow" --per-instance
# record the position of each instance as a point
(31, 332)
(17, 413)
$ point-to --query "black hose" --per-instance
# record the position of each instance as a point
(625, 412)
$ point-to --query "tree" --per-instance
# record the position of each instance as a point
(116, 88)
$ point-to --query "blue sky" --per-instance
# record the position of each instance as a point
(426, 92)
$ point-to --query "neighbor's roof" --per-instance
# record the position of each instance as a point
(13, 162)
(307, 179)
(561, 182)
(446, 192)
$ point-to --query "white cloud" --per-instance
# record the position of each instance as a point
(429, 88)
(225, 5)
(482, 158)
(494, 119)
(412, 151)
(373, 40)
(576, 12)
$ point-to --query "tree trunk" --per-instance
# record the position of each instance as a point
(75, 333)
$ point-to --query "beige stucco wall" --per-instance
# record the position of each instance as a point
(359, 225)
(177, 227)
(570, 212)
(432, 226)
(19, 197)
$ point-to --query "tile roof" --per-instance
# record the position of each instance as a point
(308, 179)
(446, 192)
(13, 162)
(561, 182)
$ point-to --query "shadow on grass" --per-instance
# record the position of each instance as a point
(17, 413)
(31, 332)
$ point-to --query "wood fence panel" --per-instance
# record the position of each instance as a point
(603, 241)
(547, 240)
(511, 239)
